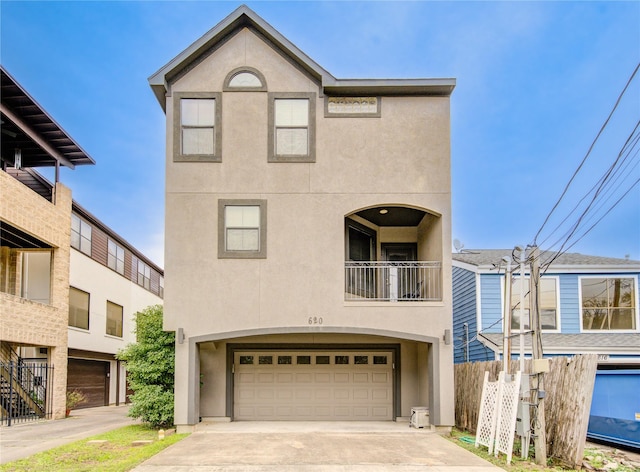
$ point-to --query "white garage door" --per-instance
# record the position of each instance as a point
(313, 385)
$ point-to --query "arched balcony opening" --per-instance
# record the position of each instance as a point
(393, 254)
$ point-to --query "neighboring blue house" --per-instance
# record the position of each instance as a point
(588, 305)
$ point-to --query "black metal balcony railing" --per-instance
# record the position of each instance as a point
(393, 281)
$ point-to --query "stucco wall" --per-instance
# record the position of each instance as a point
(401, 158)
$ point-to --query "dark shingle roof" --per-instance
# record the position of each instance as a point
(487, 257)
(577, 342)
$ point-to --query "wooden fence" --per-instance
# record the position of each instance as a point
(568, 386)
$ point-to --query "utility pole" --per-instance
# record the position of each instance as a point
(536, 344)
(506, 322)
(522, 261)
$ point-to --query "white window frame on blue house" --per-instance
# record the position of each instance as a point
(556, 278)
(609, 276)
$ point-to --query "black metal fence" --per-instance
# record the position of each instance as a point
(25, 391)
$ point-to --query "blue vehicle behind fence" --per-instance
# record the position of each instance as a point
(615, 408)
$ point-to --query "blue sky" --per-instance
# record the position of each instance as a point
(535, 83)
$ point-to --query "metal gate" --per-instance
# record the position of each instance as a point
(25, 391)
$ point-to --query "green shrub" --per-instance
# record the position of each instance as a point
(151, 367)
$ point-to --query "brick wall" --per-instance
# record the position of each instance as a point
(23, 322)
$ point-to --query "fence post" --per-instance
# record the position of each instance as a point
(10, 393)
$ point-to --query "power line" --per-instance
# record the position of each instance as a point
(587, 155)
(603, 186)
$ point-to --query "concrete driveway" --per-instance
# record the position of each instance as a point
(314, 446)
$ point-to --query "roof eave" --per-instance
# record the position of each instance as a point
(387, 87)
(243, 16)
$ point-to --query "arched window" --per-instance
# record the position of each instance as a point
(245, 79)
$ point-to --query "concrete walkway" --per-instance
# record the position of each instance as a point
(25, 439)
(314, 447)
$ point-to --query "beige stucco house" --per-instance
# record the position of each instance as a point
(308, 262)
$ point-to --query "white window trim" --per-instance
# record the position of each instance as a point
(558, 310)
(609, 276)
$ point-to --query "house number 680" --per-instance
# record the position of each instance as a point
(315, 320)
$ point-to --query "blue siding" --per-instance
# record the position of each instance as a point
(465, 311)
(569, 304)
(491, 303)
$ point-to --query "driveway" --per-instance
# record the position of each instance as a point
(25, 439)
(314, 446)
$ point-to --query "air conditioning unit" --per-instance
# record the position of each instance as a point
(419, 417)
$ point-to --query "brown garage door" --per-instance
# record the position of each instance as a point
(91, 378)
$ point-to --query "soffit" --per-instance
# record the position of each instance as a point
(394, 216)
(28, 127)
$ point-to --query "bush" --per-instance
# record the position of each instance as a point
(151, 366)
(74, 398)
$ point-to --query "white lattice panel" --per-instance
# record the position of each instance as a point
(486, 428)
(507, 414)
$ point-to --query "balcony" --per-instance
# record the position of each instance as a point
(406, 281)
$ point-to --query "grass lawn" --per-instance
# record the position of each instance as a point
(597, 458)
(116, 454)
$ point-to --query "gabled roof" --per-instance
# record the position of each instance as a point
(28, 127)
(245, 17)
(485, 259)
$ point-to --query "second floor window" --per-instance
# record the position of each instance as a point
(115, 257)
(114, 319)
(80, 235)
(196, 133)
(198, 119)
(78, 308)
(548, 303)
(608, 303)
(291, 128)
(144, 275)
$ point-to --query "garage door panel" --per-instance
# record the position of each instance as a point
(361, 394)
(265, 394)
(361, 377)
(284, 378)
(323, 377)
(380, 394)
(304, 378)
(313, 386)
(246, 378)
(380, 412)
(380, 377)
(342, 377)
(304, 394)
(361, 411)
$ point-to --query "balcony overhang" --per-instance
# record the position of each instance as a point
(14, 238)
(30, 136)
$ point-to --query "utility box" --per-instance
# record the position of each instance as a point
(419, 417)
